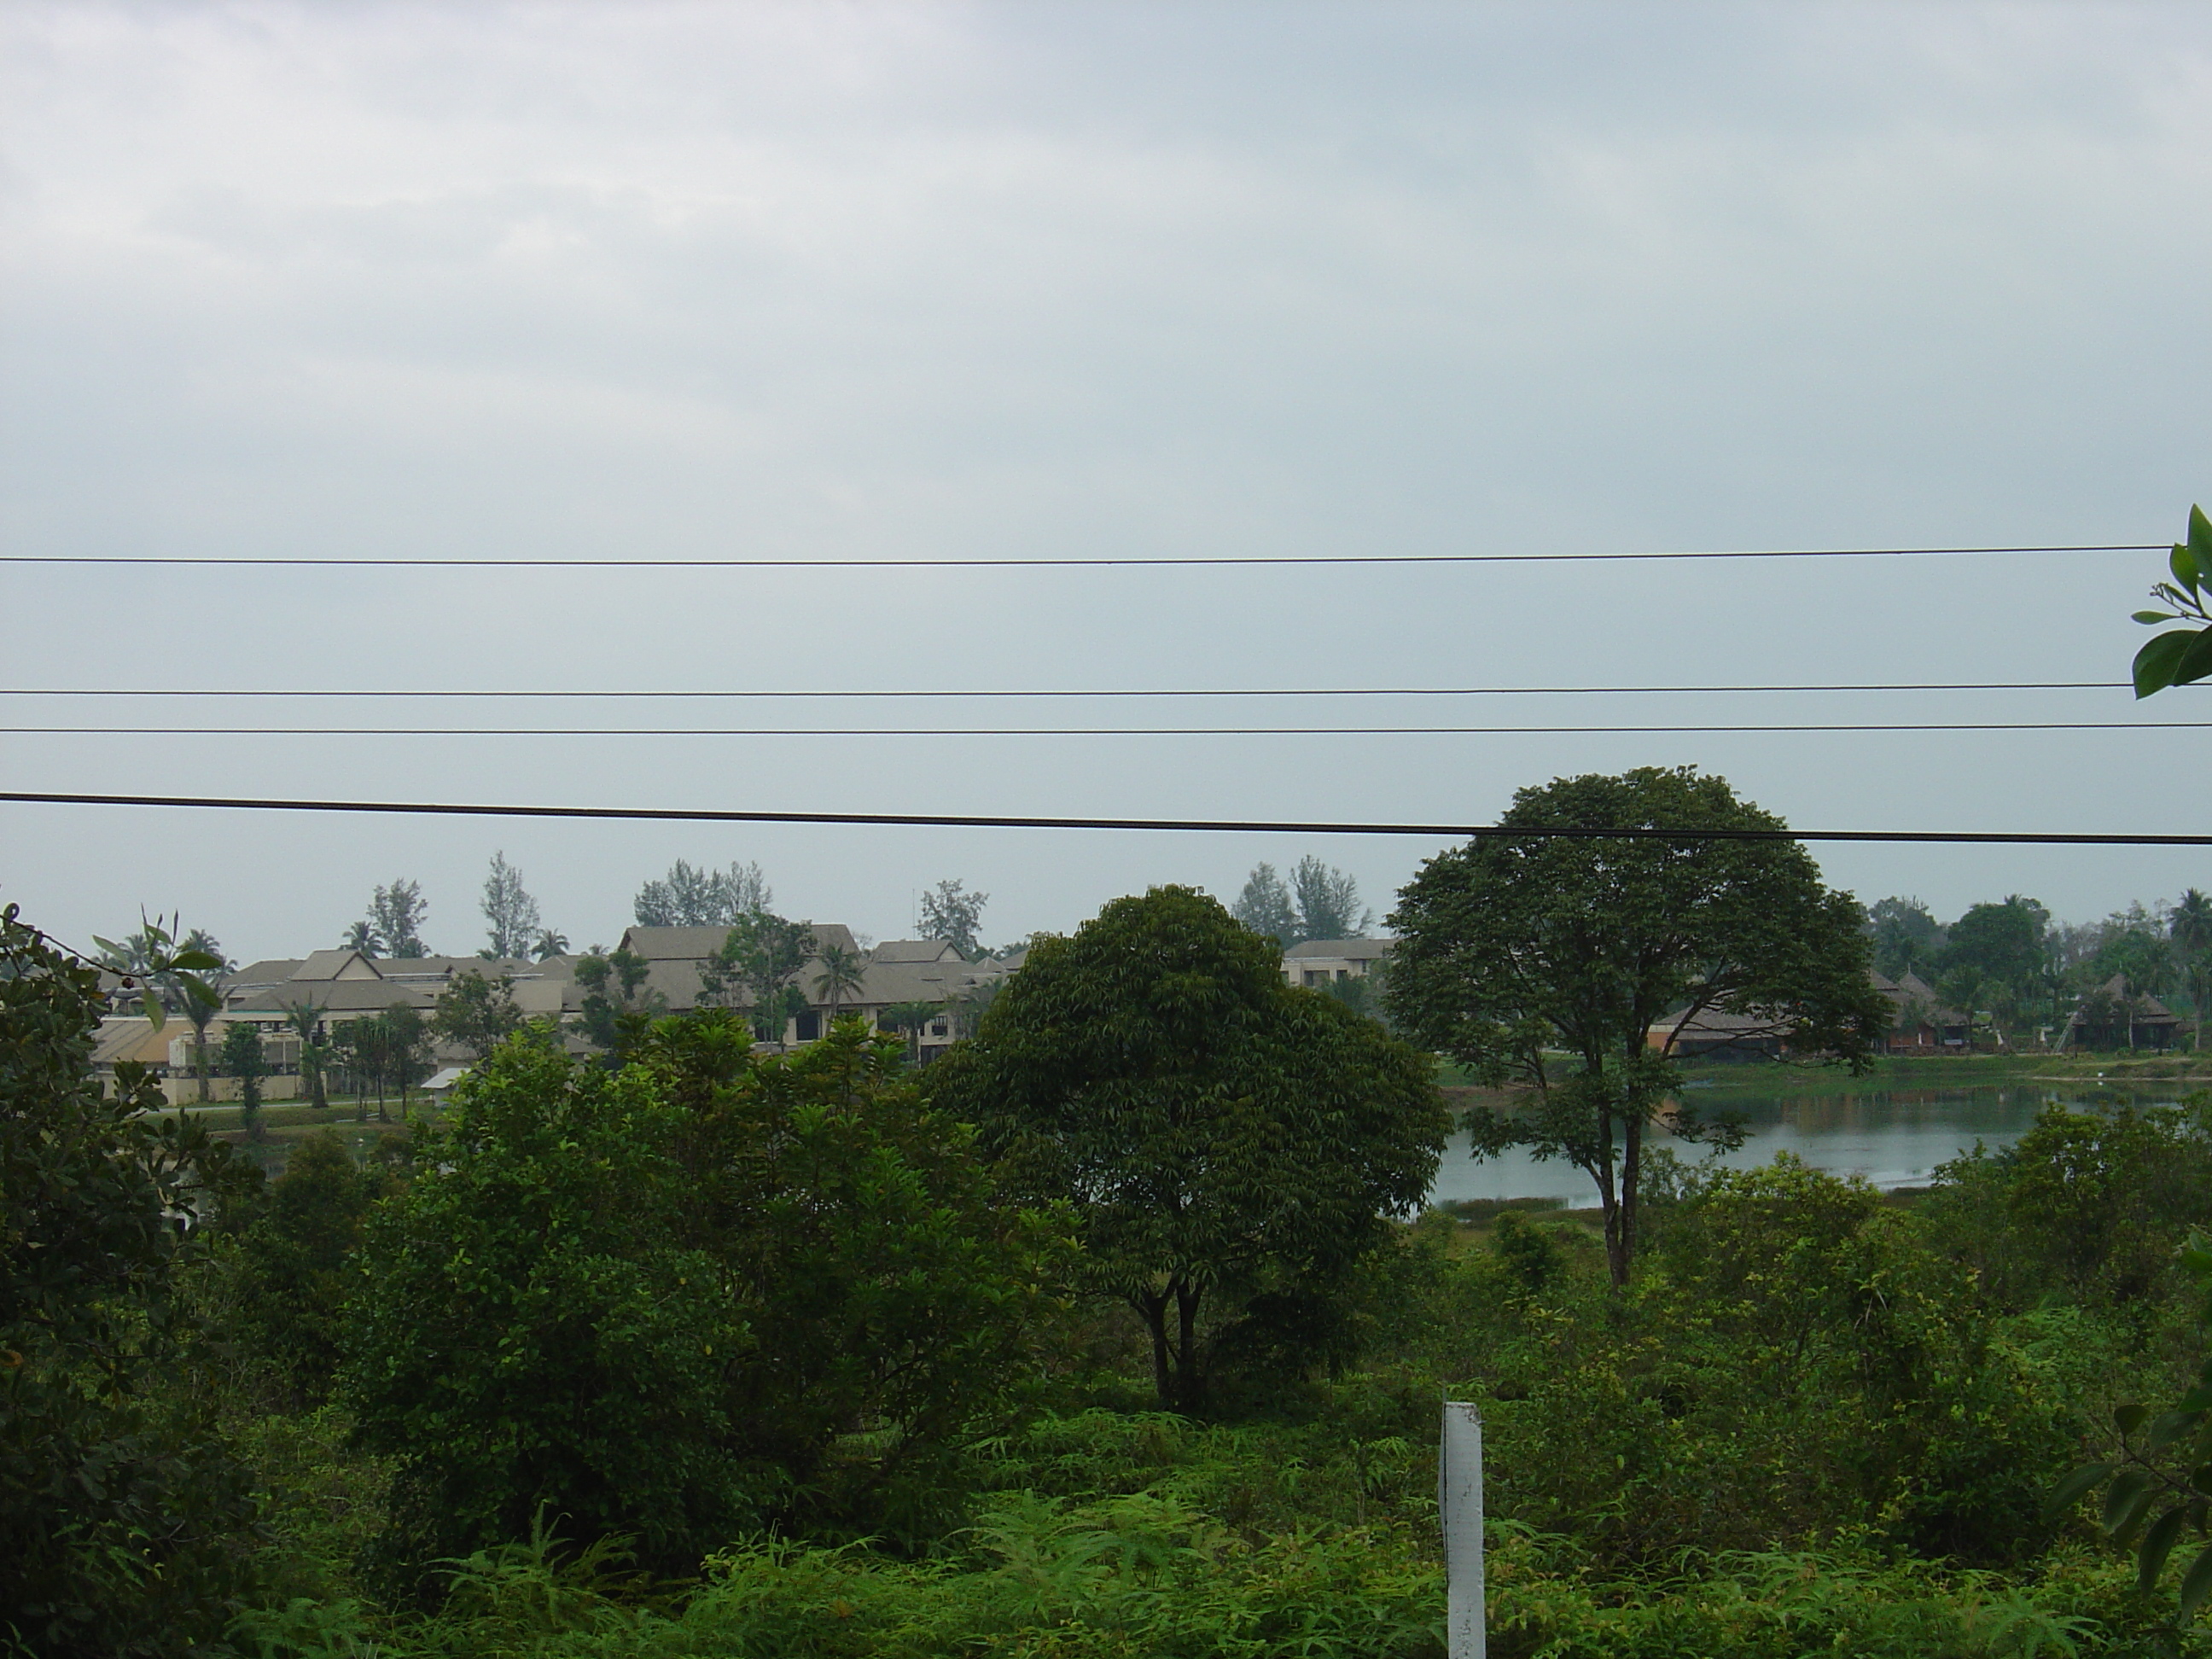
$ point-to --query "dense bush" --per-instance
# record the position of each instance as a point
(125, 1527)
(702, 1295)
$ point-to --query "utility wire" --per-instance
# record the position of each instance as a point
(1109, 692)
(1480, 832)
(1072, 730)
(391, 561)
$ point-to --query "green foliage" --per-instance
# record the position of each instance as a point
(510, 914)
(304, 1020)
(167, 972)
(292, 1264)
(616, 1008)
(843, 971)
(951, 912)
(894, 1301)
(242, 1058)
(1223, 1137)
(2001, 942)
(700, 1295)
(530, 1324)
(393, 926)
(2086, 1206)
(703, 897)
(1511, 949)
(2183, 656)
(2157, 1484)
(477, 1013)
(390, 1050)
(912, 1019)
(1319, 902)
(760, 957)
(1905, 936)
(124, 1528)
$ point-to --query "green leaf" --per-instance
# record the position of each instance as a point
(2169, 1427)
(196, 962)
(2130, 1417)
(2074, 1487)
(2151, 618)
(2186, 570)
(155, 1012)
(2197, 661)
(2157, 662)
(108, 946)
(2197, 1584)
(2157, 1545)
(2200, 537)
(2124, 1500)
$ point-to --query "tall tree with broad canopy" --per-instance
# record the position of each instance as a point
(1513, 946)
(2003, 941)
(1231, 1145)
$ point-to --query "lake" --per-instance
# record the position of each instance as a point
(1894, 1137)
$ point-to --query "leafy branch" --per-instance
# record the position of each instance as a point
(2184, 656)
(2161, 1483)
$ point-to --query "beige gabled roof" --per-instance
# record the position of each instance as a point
(273, 971)
(916, 950)
(1347, 949)
(336, 964)
(126, 1039)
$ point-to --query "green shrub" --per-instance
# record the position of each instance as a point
(125, 1528)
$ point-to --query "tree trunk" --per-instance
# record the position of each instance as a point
(1188, 1381)
(1154, 1310)
(199, 1060)
(1621, 1250)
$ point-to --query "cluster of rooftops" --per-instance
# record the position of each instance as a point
(346, 984)
(1923, 1024)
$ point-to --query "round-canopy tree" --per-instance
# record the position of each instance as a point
(1223, 1137)
(1512, 949)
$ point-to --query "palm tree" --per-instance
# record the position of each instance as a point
(201, 1006)
(304, 1017)
(910, 1018)
(2190, 930)
(842, 971)
(550, 943)
(362, 937)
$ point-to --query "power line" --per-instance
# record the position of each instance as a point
(1099, 692)
(1043, 562)
(1080, 731)
(974, 821)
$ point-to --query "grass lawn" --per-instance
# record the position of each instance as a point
(286, 1122)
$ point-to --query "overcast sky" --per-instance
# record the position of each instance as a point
(913, 281)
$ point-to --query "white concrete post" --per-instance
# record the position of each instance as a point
(1459, 1507)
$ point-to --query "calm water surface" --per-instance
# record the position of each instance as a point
(1894, 1137)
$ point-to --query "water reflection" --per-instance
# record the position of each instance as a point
(1894, 1137)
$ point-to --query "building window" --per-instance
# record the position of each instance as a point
(810, 1026)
